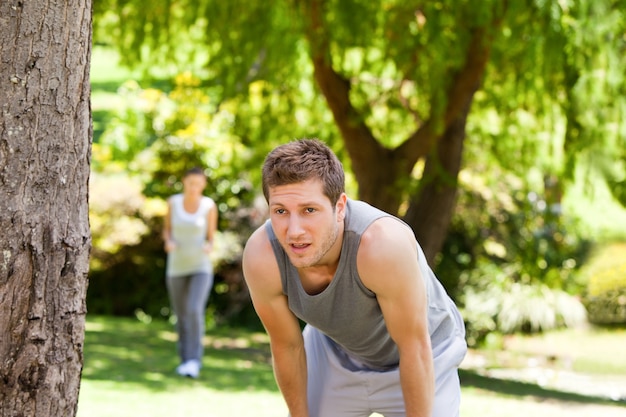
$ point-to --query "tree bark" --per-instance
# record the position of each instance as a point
(45, 145)
(375, 167)
(379, 171)
(432, 207)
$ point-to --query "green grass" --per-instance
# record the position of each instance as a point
(129, 372)
(591, 351)
(106, 73)
(589, 199)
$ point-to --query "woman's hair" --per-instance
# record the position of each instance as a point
(302, 160)
(194, 171)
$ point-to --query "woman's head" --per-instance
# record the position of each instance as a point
(194, 181)
(302, 160)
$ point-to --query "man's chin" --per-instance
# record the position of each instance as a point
(299, 262)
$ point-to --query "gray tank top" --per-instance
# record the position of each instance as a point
(348, 313)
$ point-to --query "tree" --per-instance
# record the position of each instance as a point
(45, 142)
(438, 129)
(400, 78)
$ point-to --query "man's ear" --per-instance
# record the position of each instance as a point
(341, 206)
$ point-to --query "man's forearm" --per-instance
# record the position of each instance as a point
(291, 376)
(418, 384)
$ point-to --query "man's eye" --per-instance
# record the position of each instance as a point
(310, 210)
(280, 211)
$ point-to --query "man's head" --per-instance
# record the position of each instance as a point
(302, 160)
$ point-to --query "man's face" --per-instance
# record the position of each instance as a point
(306, 223)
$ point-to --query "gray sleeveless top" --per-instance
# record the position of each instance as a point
(348, 313)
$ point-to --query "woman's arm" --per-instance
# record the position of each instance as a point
(211, 221)
(166, 233)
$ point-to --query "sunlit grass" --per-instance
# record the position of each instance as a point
(602, 217)
(129, 372)
(105, 67)
(593, 350)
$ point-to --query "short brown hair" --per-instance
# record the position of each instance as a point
(302, 160)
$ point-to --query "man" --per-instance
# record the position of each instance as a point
(381, 335)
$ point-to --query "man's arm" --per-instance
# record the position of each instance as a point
(388, 249)
(263, 278)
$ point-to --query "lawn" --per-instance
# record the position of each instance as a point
(129, 372)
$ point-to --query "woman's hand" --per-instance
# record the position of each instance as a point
(170, 246)
(208, 247)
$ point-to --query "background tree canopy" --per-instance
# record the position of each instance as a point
(496, 105)
(399, 78)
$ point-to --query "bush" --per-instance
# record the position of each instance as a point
(496, 304)
(511, 226)
(605, 298)
(138, 162)
(512, 258)
(127, 270)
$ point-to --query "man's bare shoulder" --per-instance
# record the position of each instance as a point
(388, 249)
(386, 232)
(259, 262)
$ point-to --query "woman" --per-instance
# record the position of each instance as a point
(189, 231)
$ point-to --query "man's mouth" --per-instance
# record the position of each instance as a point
(299, 245)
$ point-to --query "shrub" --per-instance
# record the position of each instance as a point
(127, 273)
(605, 298)
(510, 225)
(148, 144)
(512, 258)
(496, 304)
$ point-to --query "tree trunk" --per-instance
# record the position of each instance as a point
(432, 207)
(45, 144)
(380, 172)
(376, 168)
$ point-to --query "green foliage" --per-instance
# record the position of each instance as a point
(507, 307)
(500, 221)
(130, 131)
(552, 96)
(127, 273)
(608, 307)
(549, 60)
(157, 136)
(138, 162)
(560, 62)
(605, 297)
(127, 260)
(515, 258)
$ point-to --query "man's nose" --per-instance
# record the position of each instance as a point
(295, 226)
